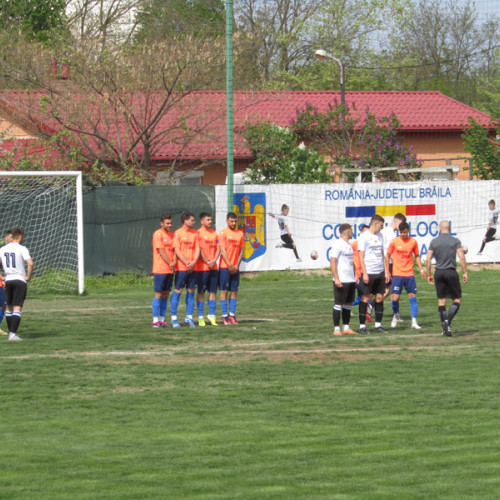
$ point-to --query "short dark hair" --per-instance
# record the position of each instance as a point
(9, 231)
(400, 217)
(404, 226)
(361, 227)
(377, 218)
(204, 214)
(165, 217)
(344, 227)
(17, 231)
(185, 216)
(284, 206)
(491, 202)
(231, 215)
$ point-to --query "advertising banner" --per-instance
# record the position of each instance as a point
(293, 226)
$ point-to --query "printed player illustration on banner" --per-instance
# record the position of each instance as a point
(251, 211)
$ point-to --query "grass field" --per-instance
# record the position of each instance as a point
(96, 404)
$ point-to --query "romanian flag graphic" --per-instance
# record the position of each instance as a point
(388, 210)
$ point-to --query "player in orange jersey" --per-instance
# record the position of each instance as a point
(232, 246)
(401, 250)
(187, 250)
(206, 267)
(163, 269)
(3, 304)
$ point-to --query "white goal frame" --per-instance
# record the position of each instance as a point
(79, 211)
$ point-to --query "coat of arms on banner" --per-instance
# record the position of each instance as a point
(251, 211)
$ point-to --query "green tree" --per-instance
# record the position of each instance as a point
(280, 159)
(485, 151)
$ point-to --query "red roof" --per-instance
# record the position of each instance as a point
(194, 127)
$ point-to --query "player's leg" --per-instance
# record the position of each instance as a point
(337, 309)
(410, 286)
(441, 292)
(224, 281)
(234, 287)
(158, 280)
(3, 306)
(212, 295)
(192, 280)
(180, 283)
(455, 293)
(489, 236)
(166, 287)
(396, 287)
(200, 297)
(350, 292)
(363, 306)
(378, 289)
(15, 304)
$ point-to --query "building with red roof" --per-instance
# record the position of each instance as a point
(191, 130)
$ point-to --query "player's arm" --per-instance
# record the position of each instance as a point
(240, 257)
(272, 215)
(363, 266)
(31, 266)
(164, 256)
(196, 256)
(335, 272)
(180, 256)
(418, 260)
(428, 266)
(225, 257)
(387, 259)
(216, 256)
(463, 263)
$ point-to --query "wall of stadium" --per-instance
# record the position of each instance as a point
(317, 210)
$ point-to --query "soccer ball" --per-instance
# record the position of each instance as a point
(465, 249)
(314, 255)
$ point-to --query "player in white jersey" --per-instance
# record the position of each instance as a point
(15, 258)
(344, 280)
(375, 274)
(492, 225)
(285, 233)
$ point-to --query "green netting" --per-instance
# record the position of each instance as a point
(119, 222)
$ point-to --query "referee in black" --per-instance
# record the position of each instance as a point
(444, 249)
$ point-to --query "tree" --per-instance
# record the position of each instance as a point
(280, 159)
(485, 151)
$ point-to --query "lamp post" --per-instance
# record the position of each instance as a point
(229, 104)
(322, 55)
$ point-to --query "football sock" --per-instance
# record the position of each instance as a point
(163, 309)
(156, 309)
(232, 307)
(414, 307)
(14, 322)
(336, 314)
(2, 314)
(174, 304)
(346, 315)
(223, 306)
(189, 304)
(212, 305)
(483, 244)
(357, 300)
(362, 313)
(395, 306)
(453, 310)
(8, 318)
(200, 305)
(295, 252)
(379, 311)
(443, 315)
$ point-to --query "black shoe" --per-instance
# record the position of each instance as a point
(447, 333)
(363, 330)
(445, 325)
(379, 329)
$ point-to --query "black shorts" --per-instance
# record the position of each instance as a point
(376, 284)
(15, 292)
(287, 240)
(345, 294)
(447, 284)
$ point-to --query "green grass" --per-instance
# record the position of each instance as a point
(97, 404)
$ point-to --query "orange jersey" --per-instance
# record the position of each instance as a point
(209, 244)
(355, 258)
(232, 242)
(186, 241)
(162, 239)
(402, 252)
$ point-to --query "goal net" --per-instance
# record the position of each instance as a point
(48, 206)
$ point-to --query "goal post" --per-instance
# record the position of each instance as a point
(49, 207)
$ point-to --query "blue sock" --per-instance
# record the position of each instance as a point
(200, 305)
(163, 307)
(189, 304)
(2, 313)
(156, 307)
(223, 306)
(212, 306)
(174, 304)
(414, 307)
(232, 307)
(357, 300)
(395, 306)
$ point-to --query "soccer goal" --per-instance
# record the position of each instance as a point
(48, 206)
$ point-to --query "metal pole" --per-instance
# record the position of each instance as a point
(229, 103)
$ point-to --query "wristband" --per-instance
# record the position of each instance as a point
(429, 275)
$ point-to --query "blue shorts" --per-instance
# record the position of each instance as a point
(228, 281)
(406, 282)
(183, 279)
(208, 281)
(2, 297)
(163, 282)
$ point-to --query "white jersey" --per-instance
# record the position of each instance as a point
(373, 246)
(343, 252)
(494, 218)
(283, 222)
(388, 234)
(14, 257)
